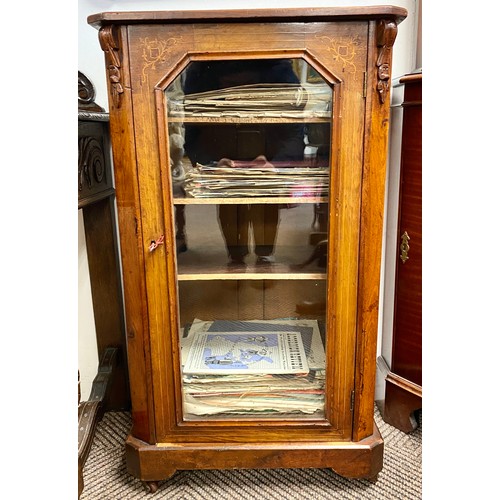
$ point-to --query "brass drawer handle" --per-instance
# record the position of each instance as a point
(404, 247)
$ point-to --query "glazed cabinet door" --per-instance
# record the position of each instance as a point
(249, 157)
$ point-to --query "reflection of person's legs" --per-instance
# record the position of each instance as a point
(264, 219)
(234, 224)
(180, 231)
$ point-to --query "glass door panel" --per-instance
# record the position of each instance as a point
(249, 145)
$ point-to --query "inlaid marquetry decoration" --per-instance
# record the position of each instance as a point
(342, 51)
(386, 35)
(112, 52)
(91, 163)
(155, 51)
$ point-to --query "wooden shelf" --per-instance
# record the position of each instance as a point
(248, 119)
(272, 271)
(250, 276)
(249, 201)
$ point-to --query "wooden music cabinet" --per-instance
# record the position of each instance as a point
(250, 150)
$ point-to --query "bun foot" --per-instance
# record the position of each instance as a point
(152, 486)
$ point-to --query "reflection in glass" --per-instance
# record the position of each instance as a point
(250, 162)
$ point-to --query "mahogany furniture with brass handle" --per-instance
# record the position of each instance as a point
(403, 388)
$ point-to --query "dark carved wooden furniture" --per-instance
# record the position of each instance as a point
(96, 199)
(403, 388)
(91, 411)
(149, 57)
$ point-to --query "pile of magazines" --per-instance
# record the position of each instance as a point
(256, 100)
(255, 367)
(256, 179)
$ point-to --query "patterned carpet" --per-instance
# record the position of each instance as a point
(106, 477)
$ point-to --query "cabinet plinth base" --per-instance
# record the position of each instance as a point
(360, 460)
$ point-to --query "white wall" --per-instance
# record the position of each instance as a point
(87, 342)
(91, 63)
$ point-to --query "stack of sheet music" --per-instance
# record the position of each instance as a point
(257, 100)
(253, 367)
(257, 178)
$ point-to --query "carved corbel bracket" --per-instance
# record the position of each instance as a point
(112, 51)
(386, 35)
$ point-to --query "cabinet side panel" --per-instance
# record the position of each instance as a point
(114, 43)
(381, 38)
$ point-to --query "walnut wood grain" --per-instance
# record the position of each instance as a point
(372, 211)
(156, 191)
(257, 15)
(343, 46)
(353, 460)
(132, 253)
